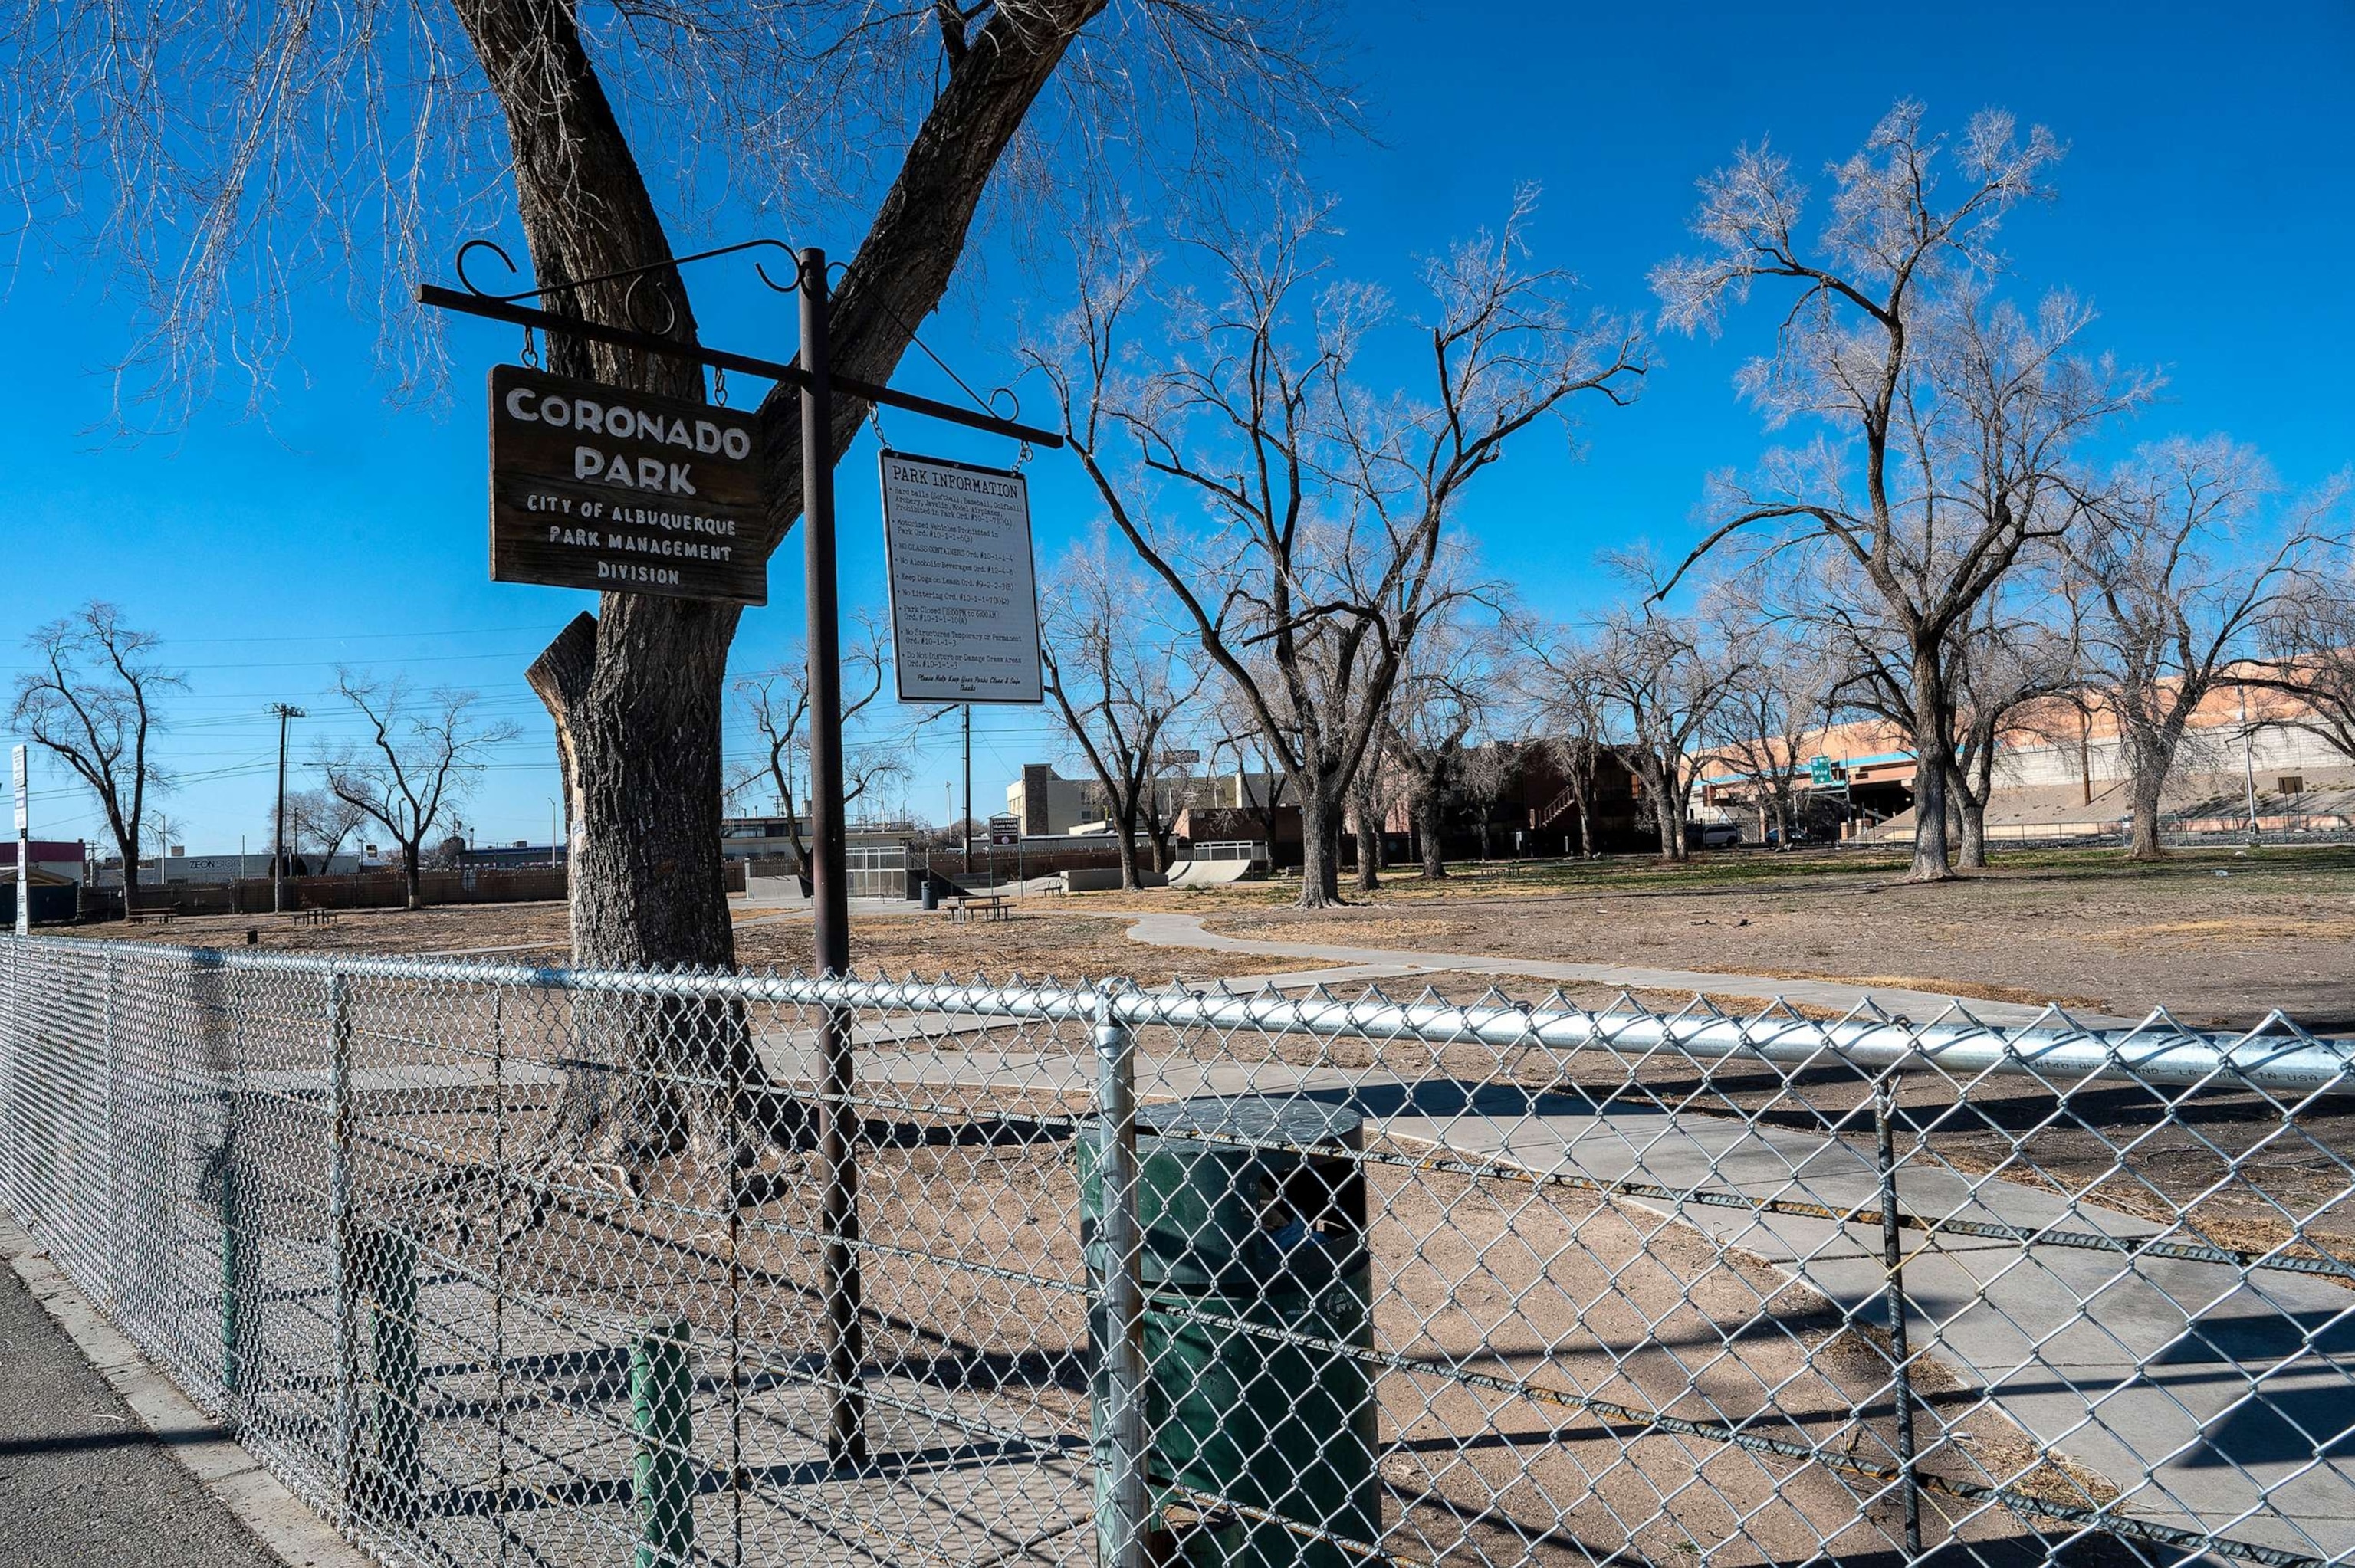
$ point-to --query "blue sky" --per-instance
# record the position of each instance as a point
(2207, 208)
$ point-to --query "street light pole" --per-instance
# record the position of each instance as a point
(278, 832)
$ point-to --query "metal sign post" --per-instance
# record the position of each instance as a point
(829, 897)
(682, 533)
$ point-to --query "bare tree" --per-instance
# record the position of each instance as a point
(777, 702)
(1557, 692)
(227, 149)
(1328, 543)
(1487, 771)
(2005, 663)
(1660, 681)
(2001, 660)
(1963, 408)
(2174, 591)
(318, 822)
(2308, 654)
(1121, 681)
(1444, 699)
(422, 755)
(91, 701)
(1240, 737)
(1370, 802)
(1767, 717)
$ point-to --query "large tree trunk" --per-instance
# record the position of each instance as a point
(1666, 818)
(2144, 792)
(637, 694)
(409, 867)
(1320, 846)
(639, 707)
(1933, 745)
(2149, 754)
(1969, 809)
(1369, 835)
(1125, 838)
(1160, 830)
(1426, 802)
(127, 846)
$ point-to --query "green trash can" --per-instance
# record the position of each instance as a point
(1264, 1233)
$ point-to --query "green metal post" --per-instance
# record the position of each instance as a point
(661, 1415)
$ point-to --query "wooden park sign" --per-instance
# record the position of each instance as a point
(600, 487)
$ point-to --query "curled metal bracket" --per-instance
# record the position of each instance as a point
(547, 292)
(632, 306)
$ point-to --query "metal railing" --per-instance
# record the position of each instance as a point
(502, 1264)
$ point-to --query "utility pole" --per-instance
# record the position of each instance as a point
(18, 776)
(278, 833)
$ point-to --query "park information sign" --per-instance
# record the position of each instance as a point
(964, 599)
(601, 487)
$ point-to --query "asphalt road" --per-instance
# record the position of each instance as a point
(82, 1481)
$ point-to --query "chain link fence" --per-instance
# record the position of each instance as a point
(495, 1264)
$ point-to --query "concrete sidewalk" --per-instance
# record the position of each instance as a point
(89, 1476)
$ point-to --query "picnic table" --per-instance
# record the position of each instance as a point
(312, 916)
(149, 917)
(981, 905)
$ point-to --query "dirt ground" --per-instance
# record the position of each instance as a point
(1523, 1337)
(2220, 938)
(1037, 942)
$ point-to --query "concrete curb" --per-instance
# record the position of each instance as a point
(258, 1499)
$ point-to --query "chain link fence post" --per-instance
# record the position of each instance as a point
(1116, 1293)
(109, 1091)
(340, 1293)
(1893, 1258)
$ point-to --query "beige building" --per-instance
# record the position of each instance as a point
(1049, 803)
(2060, 772)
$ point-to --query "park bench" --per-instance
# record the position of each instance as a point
(150, 916)
(981, 907)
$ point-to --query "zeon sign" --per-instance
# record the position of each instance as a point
(600, 487)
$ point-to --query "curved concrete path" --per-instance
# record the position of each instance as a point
(1175, 930)
(2217, 1399)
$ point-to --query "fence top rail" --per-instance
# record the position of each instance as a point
(2276, 1055)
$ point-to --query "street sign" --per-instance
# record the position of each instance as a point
(1819, 771)
(964, 598)
(1178, 759)
(600, 487)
